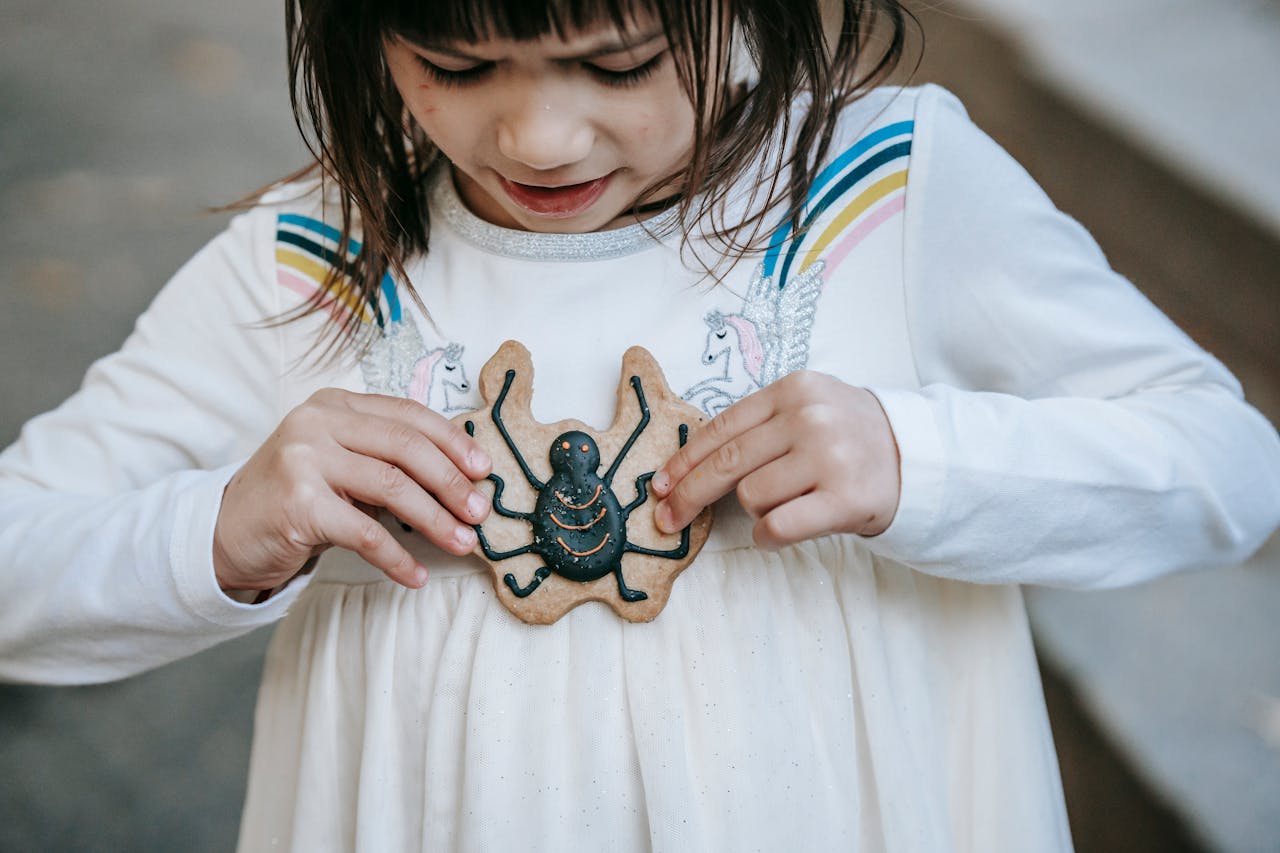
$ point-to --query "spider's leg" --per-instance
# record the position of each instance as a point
(642, 494)
(627, 593)
(498, 485)
(537, 484)
(677, 553)
(642, 482)
(644, 422)
(498, 555)
(521, 591)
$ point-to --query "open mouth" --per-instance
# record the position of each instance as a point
(556, 202)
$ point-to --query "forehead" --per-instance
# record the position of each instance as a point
(472, 21)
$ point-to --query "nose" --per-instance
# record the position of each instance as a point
(544, 135)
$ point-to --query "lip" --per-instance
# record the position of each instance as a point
(559, 202)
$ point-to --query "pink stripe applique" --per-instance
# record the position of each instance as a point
(863, 229)
(306, 287)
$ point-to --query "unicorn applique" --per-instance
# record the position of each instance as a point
(763, 342)
(401, 364)
(861, 190)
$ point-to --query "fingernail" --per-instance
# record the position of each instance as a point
(661, 482)
(465, 536)
(476, 505)
(662, 517)
(420, 575)
(478, 459)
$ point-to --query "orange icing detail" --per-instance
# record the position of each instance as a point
(583, 553)
(583, 527)
(560, 498)
(564, 445)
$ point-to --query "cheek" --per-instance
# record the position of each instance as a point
(449, 121)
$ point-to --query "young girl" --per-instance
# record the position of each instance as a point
(927, 389)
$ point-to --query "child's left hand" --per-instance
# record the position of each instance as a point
(808, 455)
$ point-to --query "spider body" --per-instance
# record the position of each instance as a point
(579, 527)
(578, 523)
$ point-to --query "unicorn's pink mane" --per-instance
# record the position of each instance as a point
(748, 343)
(420, 385)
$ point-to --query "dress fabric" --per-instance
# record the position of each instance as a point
(846, 693)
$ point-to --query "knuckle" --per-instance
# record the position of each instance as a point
(815, 418)
(803, 384)
(719, 426)
(840, 456)
(454, 482)
(301, 420)
(453, 434)
(323, 398)
(727, 459)
(391, 480)
(409, 409)
(296, 459)
(370, 535)
(402, 437)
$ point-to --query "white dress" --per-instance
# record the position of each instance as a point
(846, 693)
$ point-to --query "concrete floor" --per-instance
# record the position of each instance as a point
(119, 123)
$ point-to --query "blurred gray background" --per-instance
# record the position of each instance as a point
(1156, 122)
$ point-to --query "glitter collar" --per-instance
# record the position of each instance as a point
(537, 246)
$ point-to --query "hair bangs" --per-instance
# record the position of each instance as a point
(461, 21)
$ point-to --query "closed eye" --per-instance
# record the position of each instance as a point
(608, 76)
(628, 76)
(453, 76)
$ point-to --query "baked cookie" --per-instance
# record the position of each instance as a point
(572, 518)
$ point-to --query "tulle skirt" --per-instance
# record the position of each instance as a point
(811, 699)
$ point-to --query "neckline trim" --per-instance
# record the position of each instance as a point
(539, 246)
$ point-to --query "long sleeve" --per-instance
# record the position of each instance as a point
(108, 503)
(1066, 432)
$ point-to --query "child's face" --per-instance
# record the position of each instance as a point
(551, 134)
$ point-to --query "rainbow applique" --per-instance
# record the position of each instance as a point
(306, 253)
(870, 180)
(865, 187)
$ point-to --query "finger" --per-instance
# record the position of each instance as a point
(345, 526)
(719, 473)
(452, 439)
(383, 484)
(805, 517)
(743, 416)
(402, 445)
(783, 479)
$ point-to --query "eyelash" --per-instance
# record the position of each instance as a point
(630, 77)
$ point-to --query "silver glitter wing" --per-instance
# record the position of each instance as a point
(797, 307)
(388, 365)
(783, 319)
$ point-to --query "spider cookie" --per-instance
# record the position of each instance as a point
(572, 520)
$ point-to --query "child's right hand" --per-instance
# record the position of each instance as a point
(317, 480)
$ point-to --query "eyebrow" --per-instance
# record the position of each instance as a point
(604, 50)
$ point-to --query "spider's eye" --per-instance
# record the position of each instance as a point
(584, 448)
(564, 445)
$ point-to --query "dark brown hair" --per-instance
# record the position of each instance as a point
(368, 149)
